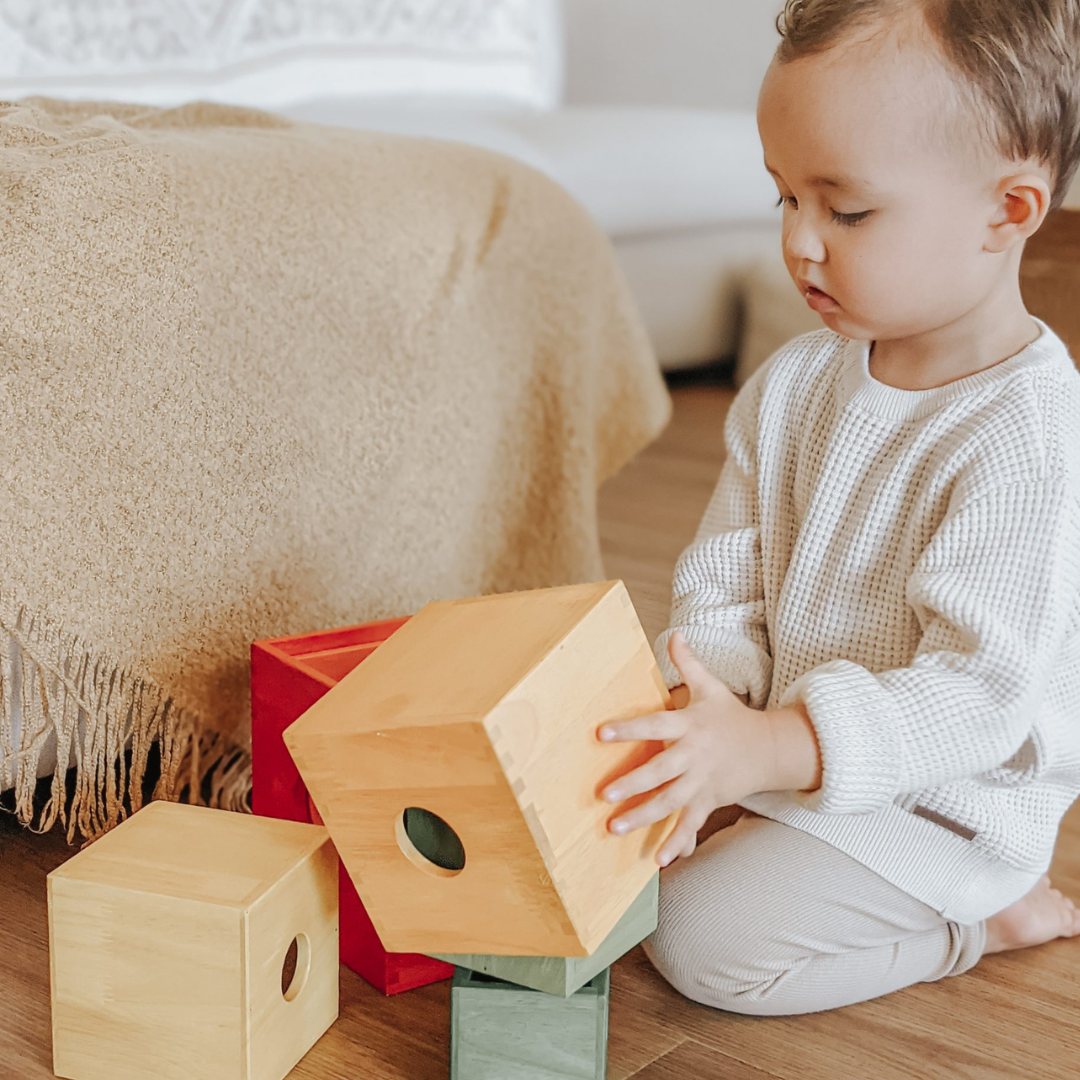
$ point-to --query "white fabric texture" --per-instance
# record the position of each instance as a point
(271, 53)
(907, 564)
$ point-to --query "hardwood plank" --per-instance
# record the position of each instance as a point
(635, 1036)
(25, 1023)
(405, 1037)
(690, 1058)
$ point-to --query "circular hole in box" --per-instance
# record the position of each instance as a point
(295, 967)
(429, 842)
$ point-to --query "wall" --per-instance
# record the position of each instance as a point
(696, 53)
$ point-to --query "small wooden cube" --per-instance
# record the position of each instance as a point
(565, 975)
(459, 771)
(500, 1030)
(169, 943)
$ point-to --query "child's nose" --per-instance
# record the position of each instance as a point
(803, 242)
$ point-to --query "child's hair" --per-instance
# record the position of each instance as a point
(1017, 60)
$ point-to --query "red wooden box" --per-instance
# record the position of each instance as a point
(288, 675)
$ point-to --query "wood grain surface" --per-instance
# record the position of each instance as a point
(484, 711)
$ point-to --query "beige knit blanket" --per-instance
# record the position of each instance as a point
(260, 377)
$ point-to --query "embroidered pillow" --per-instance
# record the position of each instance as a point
(274, 53)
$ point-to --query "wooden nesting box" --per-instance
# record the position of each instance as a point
(566, 975)
(288, 675)
(475, 725)
(193, 942)
(499, 1030)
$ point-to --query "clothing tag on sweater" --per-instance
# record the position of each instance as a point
(944, 822)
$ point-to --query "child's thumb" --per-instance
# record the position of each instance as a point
(685, 659)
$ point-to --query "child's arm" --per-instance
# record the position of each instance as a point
(718, 593)
(796, 756)
(996, 593)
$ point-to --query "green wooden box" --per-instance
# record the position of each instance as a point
(565, 975)
(500, 1031)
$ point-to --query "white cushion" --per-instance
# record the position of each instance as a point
(656, 170)
(271, 53)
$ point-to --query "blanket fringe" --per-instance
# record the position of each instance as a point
(57, 684)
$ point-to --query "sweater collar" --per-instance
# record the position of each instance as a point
(857, 386)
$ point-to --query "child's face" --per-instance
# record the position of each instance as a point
(897, 238)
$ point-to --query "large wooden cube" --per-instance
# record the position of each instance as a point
(193, 942)
(499, 1030)
(288, 675)
(459, 772)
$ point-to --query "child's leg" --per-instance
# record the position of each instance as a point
(767, 920)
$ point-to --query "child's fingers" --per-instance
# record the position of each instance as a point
(675, 847)
(658, 808)
(653, 726)
(658, 770)
(683, 839)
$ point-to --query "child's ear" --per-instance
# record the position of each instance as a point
(1022, 205)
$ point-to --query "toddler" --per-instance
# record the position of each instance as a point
(875, 636)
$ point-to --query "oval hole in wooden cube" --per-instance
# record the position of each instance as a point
(295, 968)
(430, 843)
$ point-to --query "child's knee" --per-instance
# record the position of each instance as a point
(715, 977)
(715, 941)
(729, 961)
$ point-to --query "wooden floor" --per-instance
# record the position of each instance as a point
(1015, 1016)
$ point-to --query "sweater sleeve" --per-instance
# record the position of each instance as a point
(995, 593)
(718, 600)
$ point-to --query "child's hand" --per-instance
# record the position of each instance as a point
(715, 748)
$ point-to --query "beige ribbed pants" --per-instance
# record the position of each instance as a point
(767, 920)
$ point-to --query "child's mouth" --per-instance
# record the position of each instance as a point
(820, 301)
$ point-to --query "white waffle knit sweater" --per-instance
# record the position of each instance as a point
(907, 564)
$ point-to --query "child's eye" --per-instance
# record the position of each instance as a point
(850, 219)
